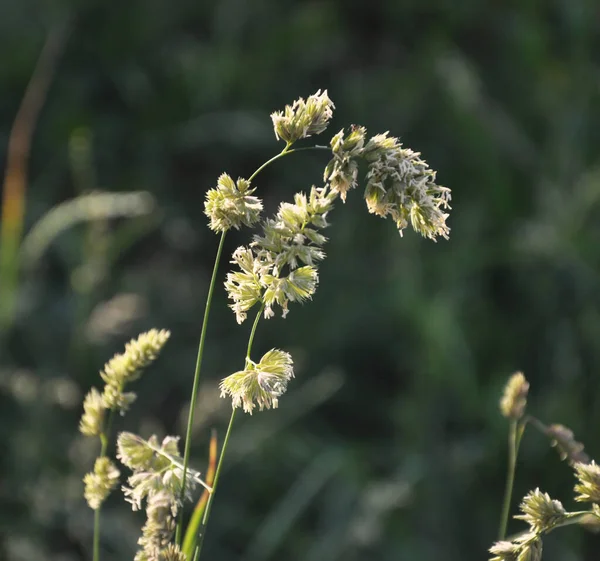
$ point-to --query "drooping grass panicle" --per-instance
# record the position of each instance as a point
(398, 182)
(563, 439)
(514, 399)
(259, 384)
(303, 118)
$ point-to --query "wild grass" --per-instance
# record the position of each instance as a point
(278, 268)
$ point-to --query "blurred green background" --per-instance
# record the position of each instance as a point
(389, 444)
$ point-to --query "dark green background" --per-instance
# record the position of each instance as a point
(389, 444)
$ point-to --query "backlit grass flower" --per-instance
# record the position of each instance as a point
(297, 286)
(138, 454)
(505, 551)
(93, 414)
(588, 485)
(379, 145)
(259, 384)
(158, 530)
(157, 479)
(303, 118)
(172, 553)
(156, 467)
(292, 237)
(342, 170)
(127, 367)
(527, 547)
(514, 399)
(563, 439)
(531, 551)
(231, 204)
(100, 482)
(245, 286)
(270, 270)
(400, 184)
(541, 512)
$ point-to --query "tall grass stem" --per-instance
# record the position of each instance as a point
(225, 442)
(514, 440)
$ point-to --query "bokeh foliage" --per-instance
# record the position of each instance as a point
(389, 444)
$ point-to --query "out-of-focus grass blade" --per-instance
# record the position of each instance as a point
(84, 208)
(293, 504)
(191, 532)
(15, 179)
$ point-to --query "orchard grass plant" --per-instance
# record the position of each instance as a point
(538, 510)
(275, 269)
(278, 267)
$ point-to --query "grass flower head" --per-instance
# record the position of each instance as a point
(588, 485)
(92, 419)
(400, 184)
(100, 482)
(270, 270)
(303, 118)
(541, 512)
(568, 448)
(342, 170)
(156, 467)
(127, 367)
(528, 547)
(259, 384)
(514, 399)
(231, 204)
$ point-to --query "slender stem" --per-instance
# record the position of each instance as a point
(283, 153)
(253, 332)
(106, 432)
(103, 448)
(514, 440)
(218, 472)
(96, 550)
(536, 423)
(575, 518)
(196, 384)
(225, 442)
